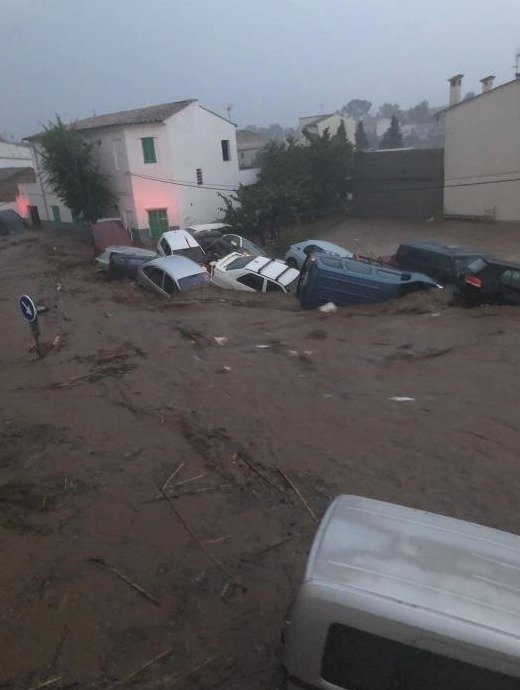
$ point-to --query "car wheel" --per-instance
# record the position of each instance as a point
(291, 262)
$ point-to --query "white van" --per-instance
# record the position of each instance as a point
(399, 599)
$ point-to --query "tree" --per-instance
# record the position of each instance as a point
(419, 114)
(361, 137)
(392, 138)
(388, 109)
(295, 180)
(357, 108)
(72, 174)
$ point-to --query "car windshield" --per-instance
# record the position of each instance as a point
(239, 262)
(193, 253)
(251, 247)
(190, 282)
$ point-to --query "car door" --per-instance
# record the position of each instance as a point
(153, 279)
(252, 281)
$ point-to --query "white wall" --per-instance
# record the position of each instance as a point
(333, 122)
(195, 142)
(248, 175)
(482, 145)
(31, 194)
(14, 155)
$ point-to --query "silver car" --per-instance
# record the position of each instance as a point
(168, 275)
(297, 253)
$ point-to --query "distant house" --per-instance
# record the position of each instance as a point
(249, 145)
(14, 154)
(166, 165)
(482, 151)
(318, 124)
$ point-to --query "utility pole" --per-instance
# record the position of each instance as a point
(228, 109)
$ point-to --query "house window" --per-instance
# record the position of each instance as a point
(158, 222)
(226, 153)
(148, 144)
(199, 176)
(118, 150)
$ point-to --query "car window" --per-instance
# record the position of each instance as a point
(166, 247)
(155, 274)
(233, 239)
(310, 248)
(169, 285)
(476, 266)
(358, 267)
(196, 280)
(332, 262)
(240, 262)
(252, 280)
(250, 246)
(511, 278)
(357, 660)
(271, 286)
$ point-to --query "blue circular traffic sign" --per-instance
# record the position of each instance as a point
(28, 309)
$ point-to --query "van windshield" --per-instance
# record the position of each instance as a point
(357, 660)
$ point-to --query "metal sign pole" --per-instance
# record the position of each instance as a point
(30, 313)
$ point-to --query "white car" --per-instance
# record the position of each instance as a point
(182, 243)
(170, 274)
(259, 273)
(207, 229)
(297, 253)
(104, 258)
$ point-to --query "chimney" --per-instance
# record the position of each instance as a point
(487, 83)
(455, 88)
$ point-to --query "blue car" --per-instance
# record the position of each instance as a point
(347, 281)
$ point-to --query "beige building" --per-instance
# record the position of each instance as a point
(482, 151)
(318, 124)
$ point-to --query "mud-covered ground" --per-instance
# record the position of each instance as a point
(106, 566)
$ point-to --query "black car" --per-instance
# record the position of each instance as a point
(445, 264)
(11, 222)
(125, 265)
(488, 280)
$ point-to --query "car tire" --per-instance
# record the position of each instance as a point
(292, 263)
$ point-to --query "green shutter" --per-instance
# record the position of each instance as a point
(158, 222)
(56, 215)
(148, 145)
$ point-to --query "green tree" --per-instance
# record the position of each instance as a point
(361, 137)
(419, 114)
(392, 138)
(70, 170)
(388, 109)
(357, 108)
(295, 180)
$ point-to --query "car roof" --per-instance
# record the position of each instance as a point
(327, 246)
(430, 562)
(272, 268)
(179, 239)
(177, 266)
(202, 227)
(448, 250)
(501, 262)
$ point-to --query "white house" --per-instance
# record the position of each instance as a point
(166, 165)
(318, 124)
(482, 151)
(14, 155)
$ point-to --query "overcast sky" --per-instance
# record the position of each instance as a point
(273, 60)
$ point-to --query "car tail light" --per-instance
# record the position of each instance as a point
(473, 280)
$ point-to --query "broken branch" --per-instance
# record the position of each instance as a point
(46, 683)
(298, 493)
(121, 575)
(132, 675)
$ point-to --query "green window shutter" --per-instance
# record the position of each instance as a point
(148, 145)
(56, 215)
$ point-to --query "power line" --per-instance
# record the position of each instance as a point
(441, 186)
(179, 183)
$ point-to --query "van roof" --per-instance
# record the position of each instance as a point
(447, 250)
(438, 564)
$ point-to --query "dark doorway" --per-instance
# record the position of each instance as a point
(35, 217)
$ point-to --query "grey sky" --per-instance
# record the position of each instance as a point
(272, 59)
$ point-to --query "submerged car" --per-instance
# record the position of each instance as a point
(243, 272)
(11, 222)
(103, 260)
(168, 275)
(395, 598)
(445, 264)
(180, 242)
(227, 244)
(298, 253)
(123, 265)
(208, 229)
(326, 278)
(488, 280)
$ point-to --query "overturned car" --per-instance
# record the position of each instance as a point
(343, 281)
